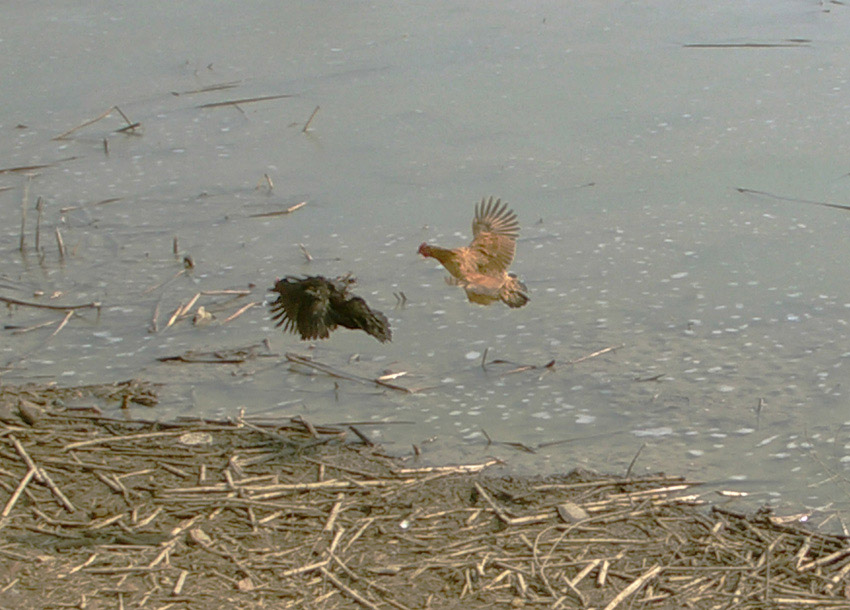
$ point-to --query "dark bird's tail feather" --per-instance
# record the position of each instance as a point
(357, 314)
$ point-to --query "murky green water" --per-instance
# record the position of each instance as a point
(619, 147)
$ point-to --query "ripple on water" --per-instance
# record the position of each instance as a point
(653, 432)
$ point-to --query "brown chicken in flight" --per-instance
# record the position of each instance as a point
(313, 306)
(481, 268)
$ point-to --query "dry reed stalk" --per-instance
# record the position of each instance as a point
(634, 586)
(459, 469)
(329, 524)
(62, 324)
(166, 550)
(236, 355)
(501, 514)
(110, 483)
(153, 327)
(11, 301)
(305, 569)
(81, 566)
(22, 331)
(29, 168)
(391, 376)
(610, 482)
(240, 311)
(126, 120)
(102, 116)
(24, 200)
(72, 208)
(360, 473)
(825, 560)
(41, 475)
(130, 127)
(181, 580)
(247, 100)
(310, 120)
(163, 283)
(550, 366)
(605, 350)
(366, 440)
(188, 306)
(328, 370)
(60, 244)
(634, 459)
(347, 590)
(121, 439)
(827, 204)
(747, 45)
(218, 87)
(39, 206)
(227, 291)
(285, 212)
(269, 185)
(13, 499)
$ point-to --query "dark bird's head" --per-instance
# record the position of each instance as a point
(425, 249)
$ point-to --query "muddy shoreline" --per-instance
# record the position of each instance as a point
(105, 513)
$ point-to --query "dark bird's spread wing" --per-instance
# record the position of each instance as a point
(303, 306)
(494, 232)
(313, 306)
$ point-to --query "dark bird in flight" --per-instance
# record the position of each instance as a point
(481, 268)
(313, 306)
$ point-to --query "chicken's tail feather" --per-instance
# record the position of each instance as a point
(514, 292)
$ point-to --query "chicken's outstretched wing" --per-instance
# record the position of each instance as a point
(494, 232)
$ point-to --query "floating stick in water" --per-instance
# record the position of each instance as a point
(310, 120)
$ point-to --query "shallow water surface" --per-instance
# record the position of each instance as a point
(619, 133)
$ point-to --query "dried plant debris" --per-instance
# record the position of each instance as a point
(383, 380)
(87, 397)
(235, 355)
(101, 513)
